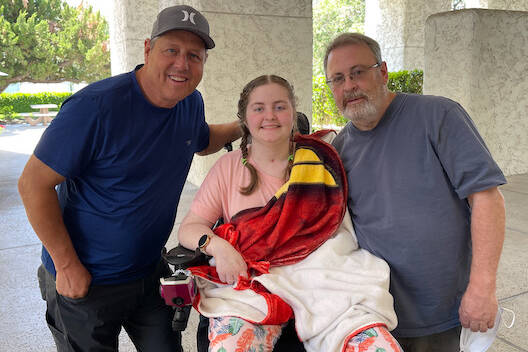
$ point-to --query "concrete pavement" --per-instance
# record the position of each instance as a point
(22, 322)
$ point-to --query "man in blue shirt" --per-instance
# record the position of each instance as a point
(422, 195)
(119, 152)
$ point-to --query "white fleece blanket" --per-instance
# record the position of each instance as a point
(335, 291)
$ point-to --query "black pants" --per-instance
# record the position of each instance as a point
(447, 341)
(93, 323)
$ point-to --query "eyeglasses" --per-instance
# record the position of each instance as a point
(355, 75)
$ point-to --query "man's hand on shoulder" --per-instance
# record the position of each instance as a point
(221, 134)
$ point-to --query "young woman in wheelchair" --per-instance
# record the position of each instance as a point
(287, 248)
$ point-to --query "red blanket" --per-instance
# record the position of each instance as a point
(301, 216)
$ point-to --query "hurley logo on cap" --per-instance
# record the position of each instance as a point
(187, 17)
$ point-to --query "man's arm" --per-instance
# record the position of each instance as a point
(479, 303)
(221, 134)
(37, 190)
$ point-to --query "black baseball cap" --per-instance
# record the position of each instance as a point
(185, 18)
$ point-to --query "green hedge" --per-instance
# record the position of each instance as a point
(325, 112)
(12, 103)
(406, 81)
(324, 109)
(21, 102)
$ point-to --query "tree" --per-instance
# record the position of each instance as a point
(49, 41)
(331, 17)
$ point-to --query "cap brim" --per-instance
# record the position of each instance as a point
(209, 43)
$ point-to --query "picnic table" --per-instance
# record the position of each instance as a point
(44, 115)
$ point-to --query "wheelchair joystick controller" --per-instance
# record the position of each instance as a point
(179, 289)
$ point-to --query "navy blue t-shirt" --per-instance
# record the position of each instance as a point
(409, 179)
(125, 162)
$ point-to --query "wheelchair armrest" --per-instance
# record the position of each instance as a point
(182, 258)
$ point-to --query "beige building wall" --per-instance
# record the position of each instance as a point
(478, 58)
(398, 26)
(253, 37)
(514, 5)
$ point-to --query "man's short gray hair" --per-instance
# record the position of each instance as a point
(153, 41)
(353, 39)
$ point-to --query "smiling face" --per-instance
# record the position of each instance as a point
(363, 100)
(173, 67)
(269, 114)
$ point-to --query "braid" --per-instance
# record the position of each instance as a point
(291, 154)
(253, 172)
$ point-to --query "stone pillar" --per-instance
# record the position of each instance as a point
(398, 26)
(252, 38)
(478, 58)
(130, 26)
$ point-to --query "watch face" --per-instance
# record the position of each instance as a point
(202, 241)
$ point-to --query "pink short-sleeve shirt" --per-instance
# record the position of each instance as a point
(219, 194)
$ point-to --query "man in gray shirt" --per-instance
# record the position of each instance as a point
(422, 195)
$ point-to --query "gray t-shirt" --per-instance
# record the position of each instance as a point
(408, 182)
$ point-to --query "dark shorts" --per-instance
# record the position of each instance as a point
(93, 323)
(447, 341)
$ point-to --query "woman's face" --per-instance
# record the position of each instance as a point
(269, 114)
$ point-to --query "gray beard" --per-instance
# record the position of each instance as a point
(363, 114)
(366, 113)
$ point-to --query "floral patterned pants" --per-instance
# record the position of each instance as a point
(230, 334)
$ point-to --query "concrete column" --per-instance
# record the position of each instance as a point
(478, 58)
(130, 25)
(252, 38)
(398, 26)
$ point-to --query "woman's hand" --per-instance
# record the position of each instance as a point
(229, 262)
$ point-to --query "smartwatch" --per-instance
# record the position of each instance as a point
(204, 242)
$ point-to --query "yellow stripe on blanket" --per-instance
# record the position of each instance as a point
(307, 169)
(303, 155)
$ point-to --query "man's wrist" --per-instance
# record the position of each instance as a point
(483, 283)
(64, 260)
